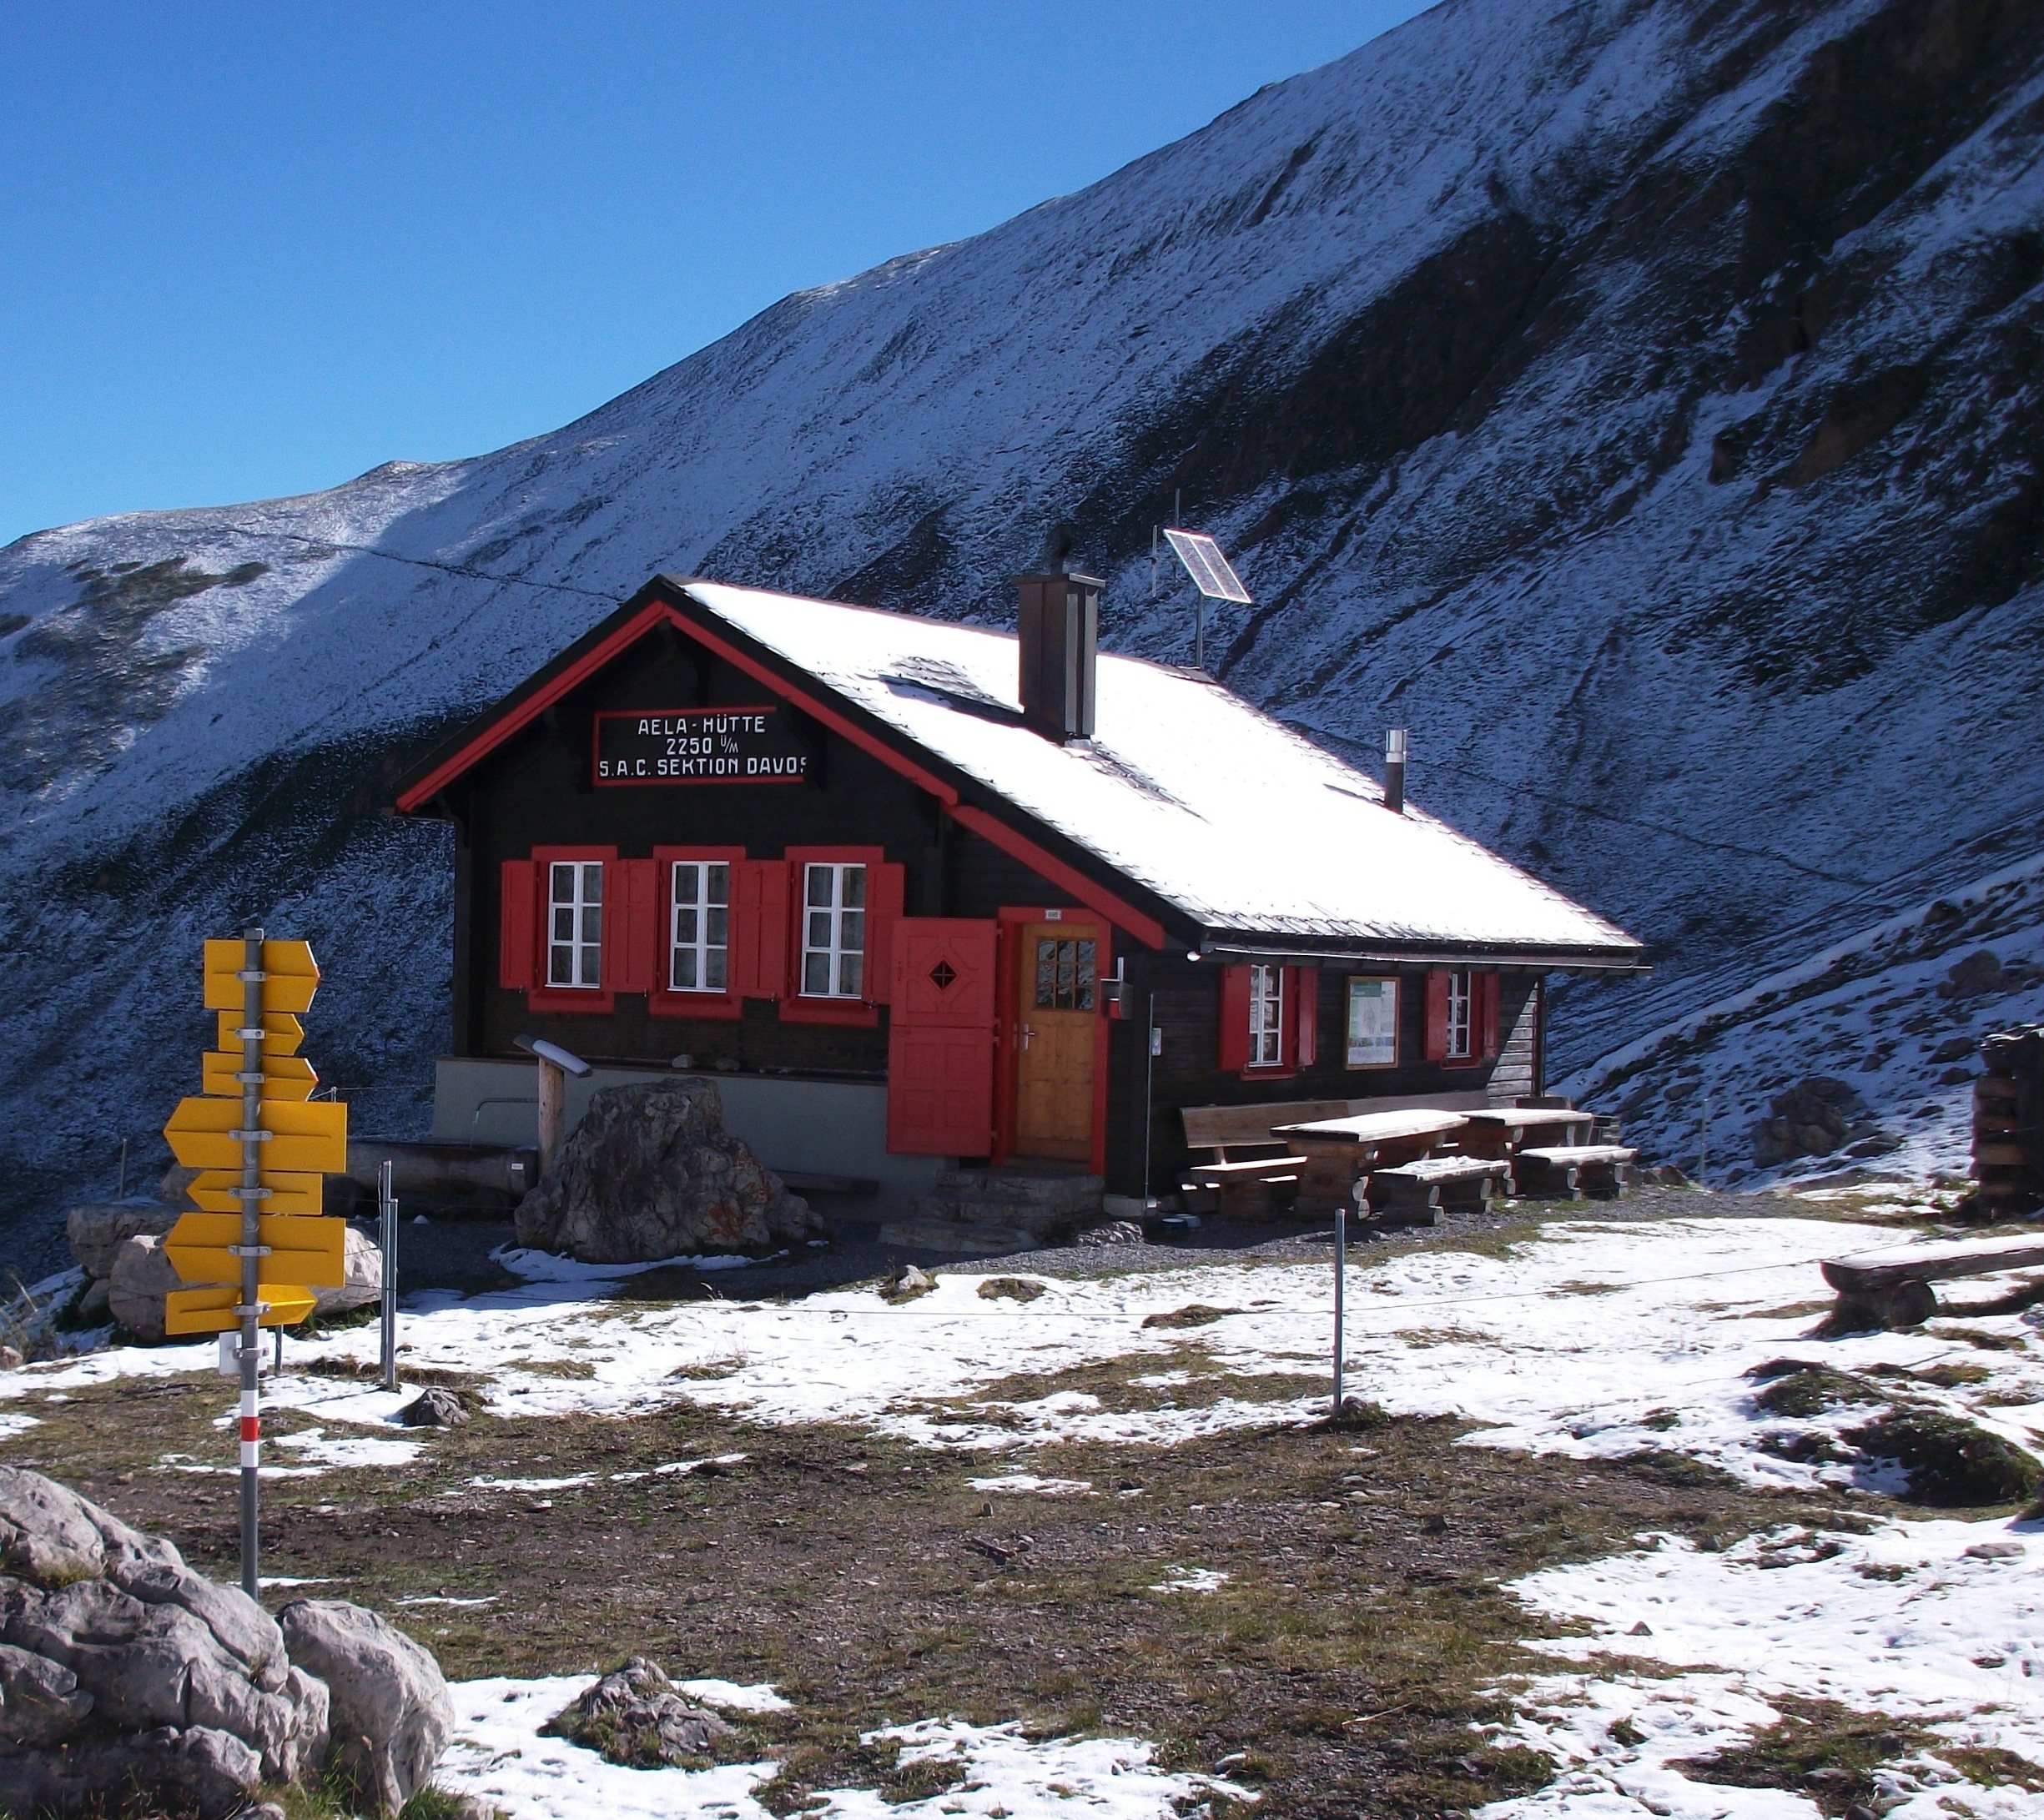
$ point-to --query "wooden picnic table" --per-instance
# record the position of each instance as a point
(1339, 1151)
(1502, 1132)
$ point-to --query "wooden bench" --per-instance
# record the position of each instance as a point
(1574, 1169)
(1413, 1193)
(1892, 1289)
(1242, 1182)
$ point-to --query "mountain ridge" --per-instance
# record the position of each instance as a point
(1637, 399)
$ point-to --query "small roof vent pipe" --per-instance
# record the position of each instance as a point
(1394, 770)
(1060, 628)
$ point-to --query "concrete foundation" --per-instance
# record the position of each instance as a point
(798, 1126)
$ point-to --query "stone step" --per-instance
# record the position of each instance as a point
(1053, 1193)
(968, 1239)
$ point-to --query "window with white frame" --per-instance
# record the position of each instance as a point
(699, 932)
(1266, 1016)
(575, 923)
(1459, 1027)
(833, 930)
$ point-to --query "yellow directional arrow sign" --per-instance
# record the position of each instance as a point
(314, 1252)
(212, 1310)
(290, 1192)
(282, 1033)
(292, 976)
(285, 1077)
(310, 1136)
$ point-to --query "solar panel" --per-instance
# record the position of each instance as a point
(1208, 568)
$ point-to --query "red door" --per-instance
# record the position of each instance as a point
(940, 1038)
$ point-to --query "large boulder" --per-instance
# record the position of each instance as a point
(125, 1673)
(142, 1275)
(95, 1229)
(651, 1173)
(1819, 1115)
(390, 1714)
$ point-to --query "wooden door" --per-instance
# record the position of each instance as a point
(1057, 1016)
(940, 1038)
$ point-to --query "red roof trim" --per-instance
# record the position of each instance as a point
(654, 613)
(498, 731)
(1145, 929)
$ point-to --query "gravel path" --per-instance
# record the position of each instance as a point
(455, 1254)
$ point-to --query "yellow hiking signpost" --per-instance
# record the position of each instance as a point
(257, 1245)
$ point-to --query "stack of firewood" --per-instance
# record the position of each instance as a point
(2008, 1125)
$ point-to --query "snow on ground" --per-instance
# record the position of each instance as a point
(498, 1757)
(1940, 1623)
(1592, 1340)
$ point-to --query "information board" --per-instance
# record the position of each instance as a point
(678, 746)
(1372, 1022)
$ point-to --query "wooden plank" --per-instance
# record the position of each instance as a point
(1374, 1128)
(1931, 1263)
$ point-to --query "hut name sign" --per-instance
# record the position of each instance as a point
(678, 746)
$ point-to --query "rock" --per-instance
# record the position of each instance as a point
(433, 1408)
(390, 1713)
(142, 1276)
(651, 1173)
(97, 1229)
(1991, 1551)
(1665, 1175)
(1116, 1232)
(1975, 977)
(364, 1284)
(908, 1283)
(11, 1359)
(1009, 1289)
(124, 1672)
(634, 1716)
(1816, 1116)
(94, 1309)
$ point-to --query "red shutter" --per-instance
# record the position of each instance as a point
(1437, 1015)
(1304, 986)
(1234, 1019)
(628, 925)
(1485, 1010)
(885, 888)
(518, 899)
(759, 928)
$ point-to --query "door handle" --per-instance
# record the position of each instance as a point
(1026, 1033)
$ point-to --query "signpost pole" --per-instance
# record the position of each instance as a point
(386, 1209)
(251, 1240)
(1340, 1274)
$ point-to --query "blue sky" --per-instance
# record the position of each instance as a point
(253, 250)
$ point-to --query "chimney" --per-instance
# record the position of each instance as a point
(1394, 770)
(1059, 627)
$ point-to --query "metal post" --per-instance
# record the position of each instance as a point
(386, 1209)
(1150, 1073)
(1340, 1274)
(1199, 632)
(120, 1190)
(1703, 1141)
(251, 1240)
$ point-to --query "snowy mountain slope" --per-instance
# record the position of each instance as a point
(1638, 399)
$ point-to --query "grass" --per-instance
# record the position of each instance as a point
(1824, 1752)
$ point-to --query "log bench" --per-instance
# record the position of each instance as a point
(1413, 1193)
(1243, 1183)
(1573, 1169)
(1892, 1289)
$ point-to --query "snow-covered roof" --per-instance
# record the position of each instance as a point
(1242, 823)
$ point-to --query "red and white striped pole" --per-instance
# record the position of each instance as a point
(251, 1248)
